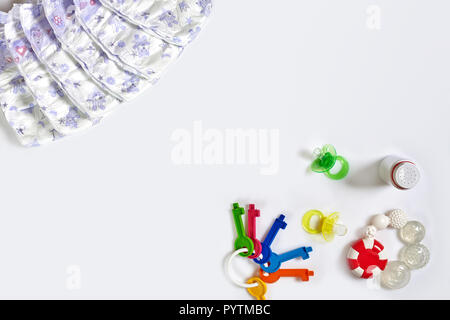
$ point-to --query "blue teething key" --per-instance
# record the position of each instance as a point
(276, 260)
(266, 252)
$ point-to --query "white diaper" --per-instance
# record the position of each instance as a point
(115, 77)
(146, 54)
(31, 127)
(76, 83)
(65, 64)
(65, 117)
(176, 21)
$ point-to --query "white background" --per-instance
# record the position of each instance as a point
(112, 202)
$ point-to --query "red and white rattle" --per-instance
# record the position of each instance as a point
(366, 257)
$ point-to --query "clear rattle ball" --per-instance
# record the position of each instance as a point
(415, 256)
(413, 232)
(396, 275)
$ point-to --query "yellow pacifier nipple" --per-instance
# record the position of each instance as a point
(328, 226)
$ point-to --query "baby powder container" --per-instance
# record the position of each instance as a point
(399, 172)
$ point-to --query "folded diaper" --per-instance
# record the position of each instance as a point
(65, 117)
(176, 21)
(31, 127)
(66, 64)
(146, 54)
(76, 83)
(114, 76)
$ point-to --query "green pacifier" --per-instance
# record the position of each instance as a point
(326, 159)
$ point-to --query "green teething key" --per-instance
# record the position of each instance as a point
(242, 241)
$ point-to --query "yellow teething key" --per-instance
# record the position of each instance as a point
(259, 291)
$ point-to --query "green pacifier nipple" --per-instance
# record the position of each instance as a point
(325, 161)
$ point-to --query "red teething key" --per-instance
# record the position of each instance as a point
(252, 213)
(303, 274)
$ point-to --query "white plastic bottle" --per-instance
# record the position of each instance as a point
(399, 172)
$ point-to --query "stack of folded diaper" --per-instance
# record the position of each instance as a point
(66, 64)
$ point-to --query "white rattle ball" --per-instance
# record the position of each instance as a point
(415, 256)
(398, 218)
(381, 221)
(396, 275)
(413, 232)
(370, 231)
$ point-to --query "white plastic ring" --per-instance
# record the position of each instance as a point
(230, 272)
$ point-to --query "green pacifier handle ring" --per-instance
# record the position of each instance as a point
(345, 167)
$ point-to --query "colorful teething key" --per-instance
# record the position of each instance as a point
(259, 291)
(242, 241)
(303, 274)
(276, 260)
(252, 213)
(266, 252)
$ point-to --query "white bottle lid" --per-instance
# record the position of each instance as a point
(405, 175)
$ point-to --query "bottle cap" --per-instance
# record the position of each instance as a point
(405, 175)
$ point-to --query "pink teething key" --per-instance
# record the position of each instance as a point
(252, 213)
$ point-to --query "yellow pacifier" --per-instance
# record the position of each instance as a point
(328, 226)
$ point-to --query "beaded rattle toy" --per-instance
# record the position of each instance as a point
(366, 258)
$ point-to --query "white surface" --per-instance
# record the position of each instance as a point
(112, 204)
